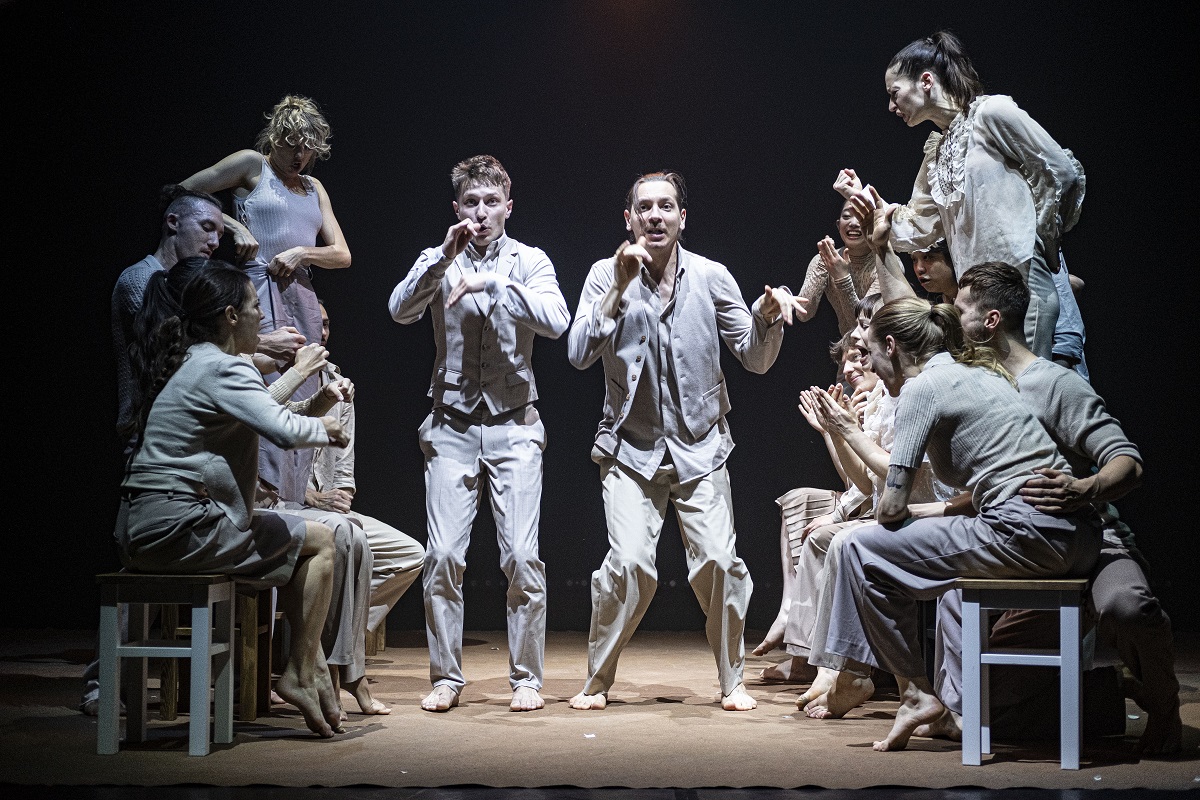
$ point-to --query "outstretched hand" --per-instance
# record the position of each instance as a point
(339, 391)
(847, 183)
(780, 302)
(875, 214)
(310, 360)
(458, 237)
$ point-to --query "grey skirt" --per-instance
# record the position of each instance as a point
(169, 532)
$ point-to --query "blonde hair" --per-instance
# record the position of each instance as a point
(923, 330)
(295, 120)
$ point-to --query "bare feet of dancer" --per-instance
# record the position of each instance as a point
(590, 702)
(526, 698)
(1163, 734)
(794, 670)
(774, 637)
(362, 693)
(327, 690)
(442, 698)
(738, 700)
(947, 726)
(292, 690)
(918, 706)
(820, 686)
(849, 691)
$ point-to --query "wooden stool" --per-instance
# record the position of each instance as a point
(253, 651)
(210, 598)
(980, 595)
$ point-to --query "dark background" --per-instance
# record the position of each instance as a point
(757, 104)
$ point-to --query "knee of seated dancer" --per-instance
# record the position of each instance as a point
(1131, 606)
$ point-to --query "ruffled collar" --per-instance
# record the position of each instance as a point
(948, 164)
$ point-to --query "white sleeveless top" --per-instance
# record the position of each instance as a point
(277, 217)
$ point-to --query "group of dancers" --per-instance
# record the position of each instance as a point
(966, 452)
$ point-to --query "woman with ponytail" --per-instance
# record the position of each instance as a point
(188, 491)
(960, 407)
(993, 183)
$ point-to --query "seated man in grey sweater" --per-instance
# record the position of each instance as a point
(1106, 466)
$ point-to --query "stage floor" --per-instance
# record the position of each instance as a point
(663, 728)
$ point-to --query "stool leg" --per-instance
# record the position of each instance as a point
(223, 671)
(108, 731)
(248, 655)
(201, 663)
(1070, 691)
(168, 693)
(972, 646)
(135, 674)
(263, 625)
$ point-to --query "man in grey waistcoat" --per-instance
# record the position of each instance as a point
(655, 315)
(489, 295)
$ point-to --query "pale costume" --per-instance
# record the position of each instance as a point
(397, 558)
(484, 432)
(190, 486)
(997, 187)
(664, 439)
(811, 600)
(1128, 616)
(843, 294)
(980, 437)
(280, 220)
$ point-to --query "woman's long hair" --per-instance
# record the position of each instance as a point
(922, 330)
(942, 54)
(170, 323)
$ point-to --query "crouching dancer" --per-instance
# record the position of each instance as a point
(960, 406)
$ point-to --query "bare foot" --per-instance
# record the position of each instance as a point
(794, 670)
(327, 691)
(307, 700)
(738, 700)
(362, 693)
(774, 637)
(276, 699)
(1163, 734)
(526, 698)
(947, 726)
(442, 698)
(589, 702)
(849, 691)
(820, 687)
(918, 706)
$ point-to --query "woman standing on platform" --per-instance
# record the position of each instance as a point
(281, 211)
(993, 183)
(188, 491)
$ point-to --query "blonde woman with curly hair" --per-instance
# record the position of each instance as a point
(962, 408)
(281, 212)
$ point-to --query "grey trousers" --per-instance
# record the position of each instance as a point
(1128, 618)
(397, 558)
(883, 573)
(808, 614)
(462, 457)
(622, 588)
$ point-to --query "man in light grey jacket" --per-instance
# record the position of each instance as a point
(489, 296)
(655, 315)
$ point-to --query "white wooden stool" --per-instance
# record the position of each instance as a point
(978, 596)
(210, 650)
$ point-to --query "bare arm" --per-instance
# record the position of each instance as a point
(893, 505)
(333, 254)
(240, 170)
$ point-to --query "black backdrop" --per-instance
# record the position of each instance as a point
(758, 105)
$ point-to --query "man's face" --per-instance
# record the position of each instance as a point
(324, 327)
(486, 206)
(934, 274)
(198, 228)
(656, 215)
(972, 318)
(882, 364)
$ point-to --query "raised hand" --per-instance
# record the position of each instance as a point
(835, 417)
(310, 360)
(847, 183)
(630, 258)
(836, 264)
(458, 237)
(808, 410)
(281, 344)
(336, 433)
(245, 246)
(780, 302)
(339, 391)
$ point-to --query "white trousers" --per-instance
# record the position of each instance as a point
(624, 585)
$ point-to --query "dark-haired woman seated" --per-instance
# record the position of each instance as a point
(189, 486)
